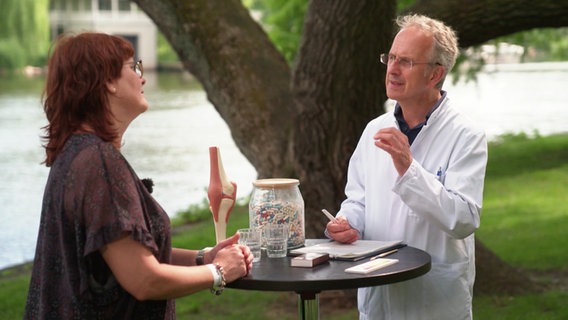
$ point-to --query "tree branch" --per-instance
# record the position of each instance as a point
(245, 77)
(480, 21)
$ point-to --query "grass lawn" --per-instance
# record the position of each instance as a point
(523, 221)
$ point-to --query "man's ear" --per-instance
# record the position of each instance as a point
(437, 74)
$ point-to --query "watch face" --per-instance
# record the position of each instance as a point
(199, 258)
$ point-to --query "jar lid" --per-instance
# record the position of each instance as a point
(276, 183)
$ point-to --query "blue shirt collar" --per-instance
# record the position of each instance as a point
(411, 133)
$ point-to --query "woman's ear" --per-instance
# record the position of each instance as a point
(111, 87)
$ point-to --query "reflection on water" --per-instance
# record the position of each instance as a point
(170, 142)
(514, 98)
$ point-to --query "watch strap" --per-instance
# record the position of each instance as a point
(200, 258)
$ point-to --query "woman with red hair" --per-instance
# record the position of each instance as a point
(104, 244)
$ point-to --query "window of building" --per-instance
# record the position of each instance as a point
(124, 5)
(105, 5)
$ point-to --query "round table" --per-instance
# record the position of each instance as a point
(276, 274)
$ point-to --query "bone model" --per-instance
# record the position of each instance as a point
(221, 194)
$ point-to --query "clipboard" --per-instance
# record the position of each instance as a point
(355, 251)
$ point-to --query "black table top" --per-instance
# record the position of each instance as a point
(276, 274)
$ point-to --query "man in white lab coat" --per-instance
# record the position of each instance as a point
(417, 175)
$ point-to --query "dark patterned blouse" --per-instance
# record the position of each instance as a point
(92, 197)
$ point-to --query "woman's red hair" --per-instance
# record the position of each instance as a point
(75, 94)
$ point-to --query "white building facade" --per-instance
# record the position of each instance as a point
(117, 17)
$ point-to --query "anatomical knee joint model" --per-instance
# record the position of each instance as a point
(221, 193)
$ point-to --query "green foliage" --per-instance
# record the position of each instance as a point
(12, 54)
(549, 44)
(165, 52)
(194, 213)
(199, 212)
(24, 33)
(283, 21)
(403, 4)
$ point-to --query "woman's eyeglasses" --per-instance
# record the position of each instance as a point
(138, 68)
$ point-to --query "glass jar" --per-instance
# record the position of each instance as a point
(278, 201)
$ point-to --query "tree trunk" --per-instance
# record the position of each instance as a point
(306, 124)
(338, 87)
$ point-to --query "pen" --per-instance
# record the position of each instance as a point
(328, 215)
(384, 254)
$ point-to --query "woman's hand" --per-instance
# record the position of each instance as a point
(235, 259)
(211, 254)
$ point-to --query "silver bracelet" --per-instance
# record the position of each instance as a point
(218, 287)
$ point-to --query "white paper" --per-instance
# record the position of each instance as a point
(347, 251)
(371, 266)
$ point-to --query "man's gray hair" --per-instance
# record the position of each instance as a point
(445, 49)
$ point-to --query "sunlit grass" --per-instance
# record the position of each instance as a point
(524, 222)
(13, 293)
(525, 217)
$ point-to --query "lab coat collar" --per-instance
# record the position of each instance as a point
(398, 110)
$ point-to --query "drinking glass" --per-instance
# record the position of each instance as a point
(276, 239)
(251, 238)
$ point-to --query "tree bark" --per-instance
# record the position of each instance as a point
(305, 123)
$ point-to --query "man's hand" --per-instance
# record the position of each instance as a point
(341, 231)
(396, 144)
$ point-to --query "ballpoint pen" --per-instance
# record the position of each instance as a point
(439, 174)
(328, 215)
(384, 254)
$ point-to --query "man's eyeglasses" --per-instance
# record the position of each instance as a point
(404, 63)
(138, 68)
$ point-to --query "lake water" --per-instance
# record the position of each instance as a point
(170, 142)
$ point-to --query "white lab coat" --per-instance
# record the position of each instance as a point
(435, 206)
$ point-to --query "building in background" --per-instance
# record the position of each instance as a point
(117, 17)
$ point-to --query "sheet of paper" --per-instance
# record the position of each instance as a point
(356, 249)
(371, 266)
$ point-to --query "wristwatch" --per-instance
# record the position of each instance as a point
(199, 259)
